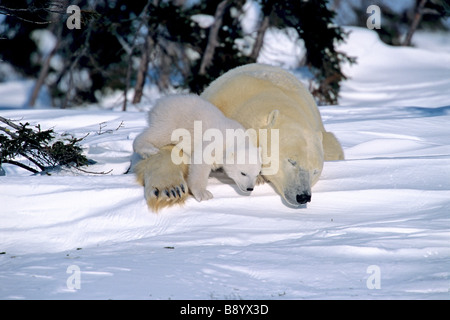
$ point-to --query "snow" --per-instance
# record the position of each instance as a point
(381, 217)
(203, 20)
(16, 93)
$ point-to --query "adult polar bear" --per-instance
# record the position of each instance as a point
(261, 97)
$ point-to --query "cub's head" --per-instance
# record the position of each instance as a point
(243, 170)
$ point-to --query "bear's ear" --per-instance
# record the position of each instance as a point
(272, 118)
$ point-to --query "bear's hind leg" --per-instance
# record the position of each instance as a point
(143, 146)
(331, 147)
(164, 182)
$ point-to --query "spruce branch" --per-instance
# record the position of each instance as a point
(39, 147)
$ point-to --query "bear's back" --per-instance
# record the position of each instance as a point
(247, 86)
(180, 111)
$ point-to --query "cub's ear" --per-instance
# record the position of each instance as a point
(272, 118)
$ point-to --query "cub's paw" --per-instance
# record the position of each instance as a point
(201, 195)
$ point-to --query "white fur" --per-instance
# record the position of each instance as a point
(268, 97)
(180, 112)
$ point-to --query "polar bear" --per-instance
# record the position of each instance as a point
(194, 119)
(267, 97)
(263, 96)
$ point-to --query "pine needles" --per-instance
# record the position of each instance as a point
(40, 147)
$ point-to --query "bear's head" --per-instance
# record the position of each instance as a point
(299, 160)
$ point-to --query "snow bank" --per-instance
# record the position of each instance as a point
(394, 76)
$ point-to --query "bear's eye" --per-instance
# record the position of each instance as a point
(293, 162)
(243, 174)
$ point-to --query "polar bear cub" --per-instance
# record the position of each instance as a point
(200, 120)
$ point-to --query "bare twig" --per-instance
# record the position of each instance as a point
(21, 165)
(53, 7)
(92, 172)
(10, 123)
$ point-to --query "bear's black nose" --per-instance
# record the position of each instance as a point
(303, 198)
(249, 189)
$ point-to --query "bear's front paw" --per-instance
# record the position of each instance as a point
(201, 195)
(170, 194)
(164, 182)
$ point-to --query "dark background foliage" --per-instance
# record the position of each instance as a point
(124, 45)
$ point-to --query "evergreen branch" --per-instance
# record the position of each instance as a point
(21, 165)
(39, 147)
(9, 123)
